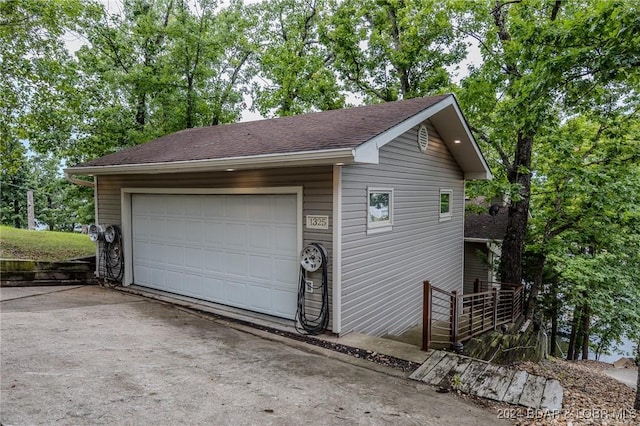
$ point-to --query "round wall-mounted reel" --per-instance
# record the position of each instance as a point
(311, 257)
(110, 233)
(95, 233)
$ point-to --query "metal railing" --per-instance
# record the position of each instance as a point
(449, 317)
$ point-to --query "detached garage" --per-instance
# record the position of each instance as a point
(375, 194)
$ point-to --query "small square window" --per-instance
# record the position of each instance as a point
(379, 209)
(446, 198)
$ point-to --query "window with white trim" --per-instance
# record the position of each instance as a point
(446, 201)
(379, 209)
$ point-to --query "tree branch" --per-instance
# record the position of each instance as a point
(503, 155)
(556, 9)
(503, 34)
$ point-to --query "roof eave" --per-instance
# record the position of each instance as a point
(482, 240)
(293, 159)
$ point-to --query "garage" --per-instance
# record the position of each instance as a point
(239, 250)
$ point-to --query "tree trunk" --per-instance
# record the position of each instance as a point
(636, 404)
(536, 286)
(554, 319)
(141, 111)
(514, 239)
(585, 332)
(575, 324)
(578, 343)
(16, 213)
(190, 112)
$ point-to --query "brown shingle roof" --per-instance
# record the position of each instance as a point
(485, 226)
(346, 128)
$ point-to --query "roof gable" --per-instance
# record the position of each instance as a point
(328, 137)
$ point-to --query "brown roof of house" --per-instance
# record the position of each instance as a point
(346, 128)
(485, 226)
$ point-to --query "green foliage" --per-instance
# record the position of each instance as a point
(58, 204)
(388, 50)
(43, 245)
(293, 72)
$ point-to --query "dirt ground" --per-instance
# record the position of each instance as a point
(92, 355)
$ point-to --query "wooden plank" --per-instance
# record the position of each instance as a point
(496, 386)
(552, 396)
(441, 370)
(472, 374)
(458, 370)
(482, 381)
(431, 362)
(532, 392)
(514, 391)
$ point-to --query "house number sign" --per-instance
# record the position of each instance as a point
(317, 222)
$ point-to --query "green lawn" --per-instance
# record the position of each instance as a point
(43, 245)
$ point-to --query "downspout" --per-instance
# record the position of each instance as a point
(77, 181)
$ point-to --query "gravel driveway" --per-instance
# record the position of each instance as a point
(93, 355)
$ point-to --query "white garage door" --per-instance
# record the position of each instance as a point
(237, 250)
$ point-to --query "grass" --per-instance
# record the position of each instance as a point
(43, 245)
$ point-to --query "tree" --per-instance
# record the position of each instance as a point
(37, 90)
(211, 50)
(294, 66)
(583, 239)
(389, 50)
(543, 61)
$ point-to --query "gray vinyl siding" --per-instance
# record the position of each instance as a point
(475, 266)
(382, 274)
(317, 183)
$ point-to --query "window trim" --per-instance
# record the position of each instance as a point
(448, 214)
(383, 226)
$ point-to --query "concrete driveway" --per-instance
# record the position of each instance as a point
(91, 355)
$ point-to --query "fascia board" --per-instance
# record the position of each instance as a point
(294, 159)
(484, 175)
(481, 240)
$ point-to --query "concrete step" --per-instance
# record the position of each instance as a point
(486, 380)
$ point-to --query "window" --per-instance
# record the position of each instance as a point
(446, 198)
(379, 209)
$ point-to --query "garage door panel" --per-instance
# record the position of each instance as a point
(235, 207)
(236, 293)
(259, 237)
(284, 208)
(284, 238)
(282, 302)
(238, 250)
(214, 261)
(212, 208)
(259, 209)
(174, 255)
(213, 289)
(193, 231)
(236, 264)
(283, 269)
(236, 235)
(213, 233)
(260, 267)
(193, 285)
(193, 207)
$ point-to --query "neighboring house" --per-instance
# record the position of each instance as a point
(222, 213)
(483, 234)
